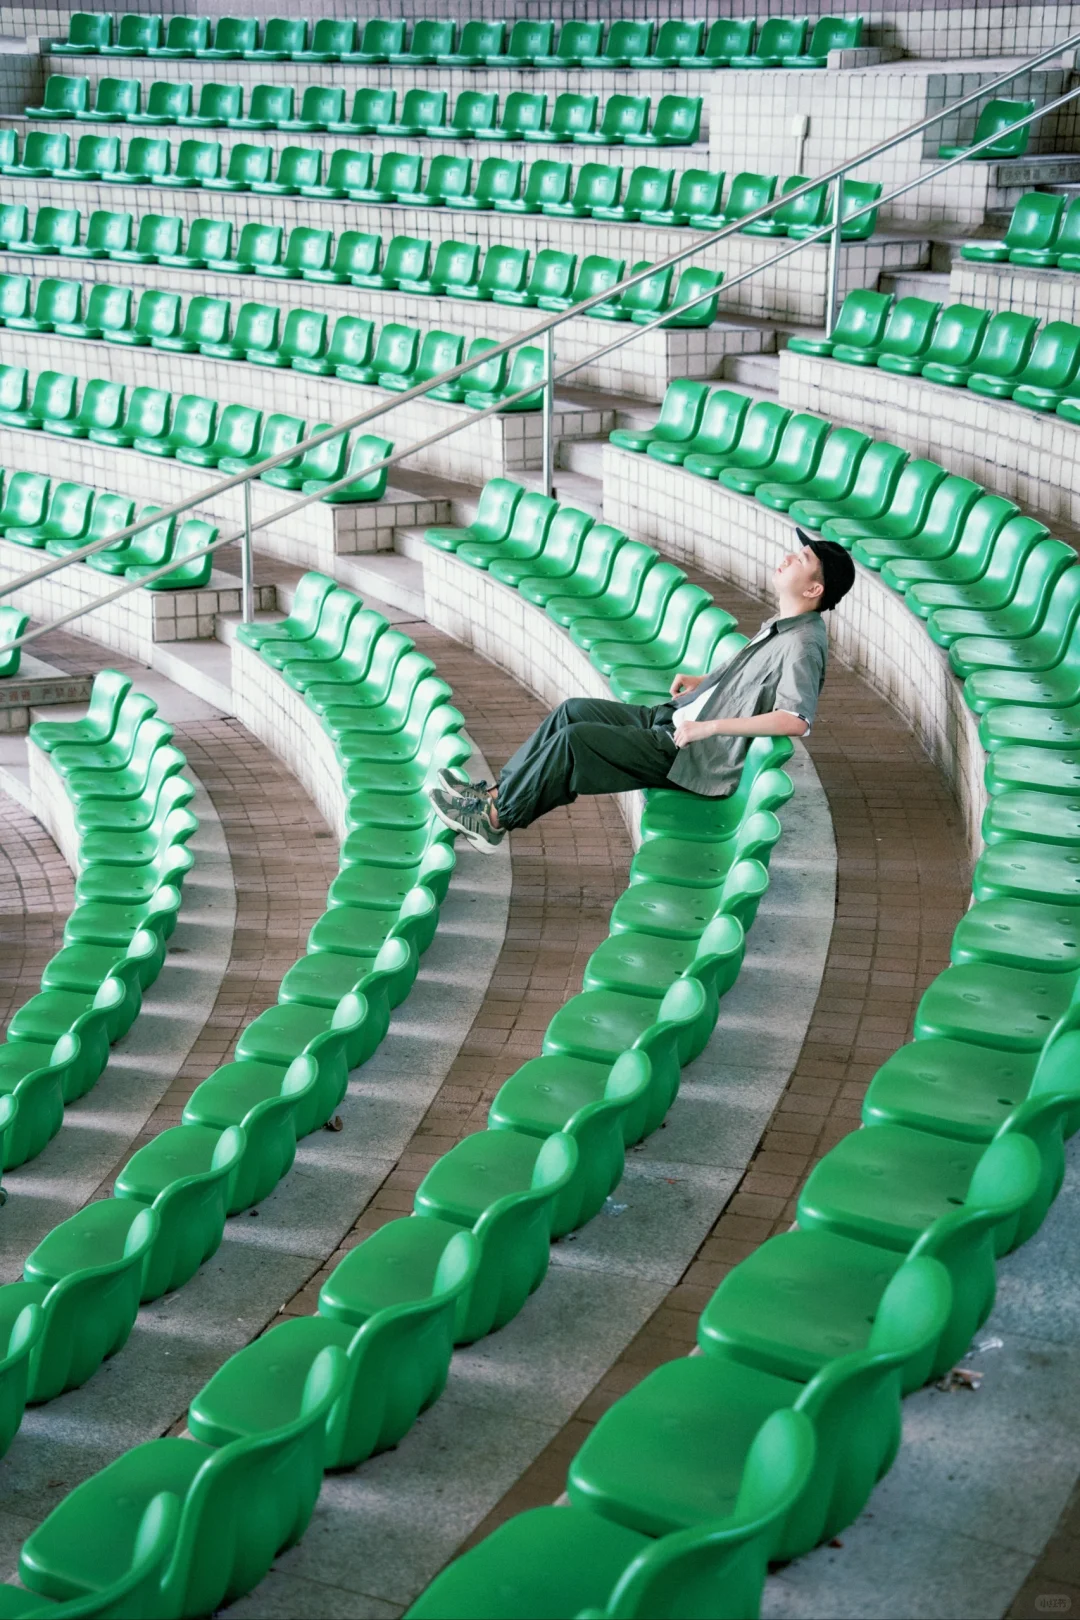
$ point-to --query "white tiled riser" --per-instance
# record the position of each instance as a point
(503, 627)
(280, 718)
(1052, 295)
(697, 521)
(49, 803)
(642, 368)
(311, 538)
(1030, 457)
(794, 290)
(849, 112)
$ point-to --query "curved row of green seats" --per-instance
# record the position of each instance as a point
(891, 1269)
(1001, 356)
(61, 516)
(1043, 233)
(191, 428)
(241, 1125)
(400, 1301)
(505, 184)
(374, 112)
(122, 774)
(781, 42)
(966, 1152)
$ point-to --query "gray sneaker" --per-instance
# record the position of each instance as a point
(468, 815)
(455, 783)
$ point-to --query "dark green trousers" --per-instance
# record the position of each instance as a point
(586, 745)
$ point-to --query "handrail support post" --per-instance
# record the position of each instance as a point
(834, 258)
(549, 411)
(247, 590)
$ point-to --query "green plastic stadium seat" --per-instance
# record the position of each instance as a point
(370, 108)
(157, 241)
(55, 301)
(830, 34)
(1050, 373)
(146, 416)
(797, 455)
(321, 107)
(96, 156)
(88, 32)
(106, 234)
(756, 447)
(778, 37)
(356, 253)
(296, 166)
(577, 40)
(748, 192)
(65, 96)
(860, 325)
(25, 501)
(727, 38)
(308, 249)
(101, 406)
(348, 172)
(279, 432)
(237, 434)
(255, 333)
(14, 394)
(14, 296)
(856, 195)
(676, 43)
(573, 115)
(158, 316)
(648, 192)
(194, 420)
(680, 418)
(595, 275)
(218, 105)
(196, 161)
(257, 252)
(547, 183)
(423, 112)
(528, 42)
(491, 525)
(67, 517)
(526, 372)
(53, 400)
(677, 122)
(647, 299)
(718, 431)
(108, 309)
(523, 111)
(380, 41)
(498, 182)
(246, 168)
(269, 105)
(282, 37)
(1067, 244)
(597, 183)
(565, 1561)
(432, 37)
(13, 225)
(233, 38)
(397, 172)
(365, 484)
(448, 178)
(453, 272)
(905, 342)
(184, 37)
(995, 120)
(833, 480)
(147, 159)
(474, 111)
(135, 35)
(350, 347)
(331, 39)
(624, 116)
(697, 196)
(1001, 354)
(1032, 231)
(693, 283)
(166, 102)
(43, 153)
(626, 40)
(477, 41)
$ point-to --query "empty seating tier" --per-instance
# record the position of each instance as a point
(739, 43)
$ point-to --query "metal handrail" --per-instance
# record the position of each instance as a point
(544, 328)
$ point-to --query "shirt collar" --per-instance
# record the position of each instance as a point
(794, 621)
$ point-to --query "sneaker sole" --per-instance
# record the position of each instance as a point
(477, 840)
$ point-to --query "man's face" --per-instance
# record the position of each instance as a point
(797, 572)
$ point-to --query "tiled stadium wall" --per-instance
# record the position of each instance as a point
(50, 804)
(1031, 458)
(947, 28)
(751, 120)
(1052, 295)
(698, 521)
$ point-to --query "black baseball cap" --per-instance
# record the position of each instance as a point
(837, 568)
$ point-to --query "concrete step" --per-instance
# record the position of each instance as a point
(201, 667)
(410, 543)
(931, 284)
(393, 580)
(15, 768)
(582, 456)
(758, 371)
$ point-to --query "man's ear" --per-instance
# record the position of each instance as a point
(815, 589)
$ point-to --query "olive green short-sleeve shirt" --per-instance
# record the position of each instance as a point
(782, 667)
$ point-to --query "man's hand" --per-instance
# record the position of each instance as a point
(689, 731)
(685, 683)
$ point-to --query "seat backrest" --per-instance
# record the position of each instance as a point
(54, 396)
(285, 35)
(781, 36)
(259, 244)
(221, 100)
(407, 256)
(14, 296)
(423, 107)
(480, 38)
(475, 109)
(862, 318)
(628, 37)
(498, 180)
(299, 166)
(504, 268)
(199, 160)
(678, 37)
(14, 221)
(579, 38)
(597, 274)
(238, 430)
(958, 334)
(236, 34)
(194, 419)
(448, 176)
(574, 114)
(547, 182)
(280, 432)
(432, 36)
(304, 335)
(748, 192)
(398, 171)
(524, 110)
(1006, 343)
(649, 188)
(455, 264)
(322, 104)
(57, 227)
(91, 29)
(333, 35)
(308, 249)
(188, 34)
(625, 115)
(352, 341)
(530, 39)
